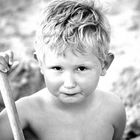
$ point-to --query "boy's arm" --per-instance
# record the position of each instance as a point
(120, 121)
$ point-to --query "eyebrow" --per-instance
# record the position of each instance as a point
(53, 65)
(87, 64)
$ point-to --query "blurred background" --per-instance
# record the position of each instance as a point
(18, 20)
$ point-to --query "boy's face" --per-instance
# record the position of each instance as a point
(71, 78)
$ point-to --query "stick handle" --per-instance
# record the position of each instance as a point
(10, 107)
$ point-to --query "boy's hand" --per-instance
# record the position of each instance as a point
(6, 61)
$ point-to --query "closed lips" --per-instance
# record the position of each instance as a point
(70, 94)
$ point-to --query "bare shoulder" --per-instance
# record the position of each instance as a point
(117, 116)
(30, 106)
(33, 101)
(113, 103)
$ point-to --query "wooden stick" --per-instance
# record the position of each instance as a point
(10, 107)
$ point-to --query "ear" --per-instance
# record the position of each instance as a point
(35, 56)
(107, 63)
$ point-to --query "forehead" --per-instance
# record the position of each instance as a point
(70, 57)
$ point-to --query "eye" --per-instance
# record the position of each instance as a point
(57, 68)
(82, 68)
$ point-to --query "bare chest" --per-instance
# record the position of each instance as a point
(65, 127)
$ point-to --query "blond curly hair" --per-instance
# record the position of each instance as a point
(73, 24)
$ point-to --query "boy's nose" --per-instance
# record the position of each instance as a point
(69, 81)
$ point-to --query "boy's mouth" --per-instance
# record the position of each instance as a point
(70, 94)
(71, 97)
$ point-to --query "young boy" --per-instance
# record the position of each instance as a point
(72, 48)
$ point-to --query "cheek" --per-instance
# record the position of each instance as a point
(89, 83)
(53, 84)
